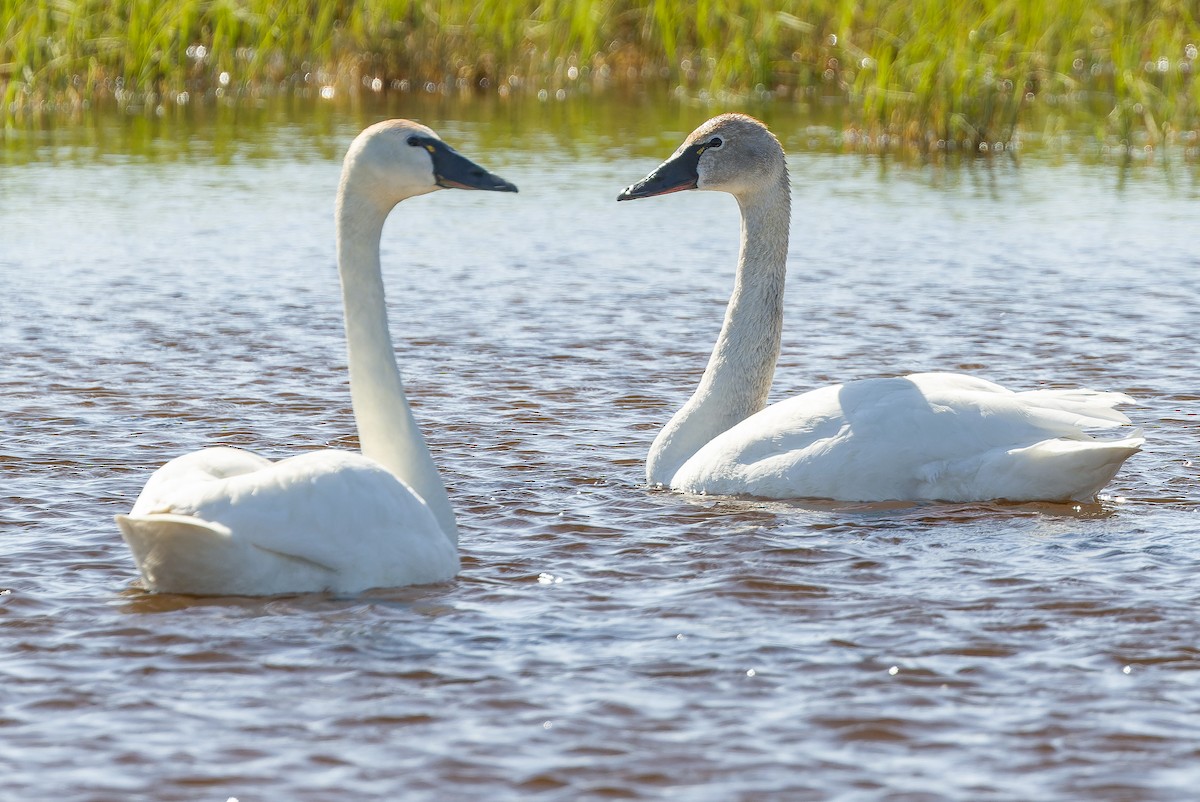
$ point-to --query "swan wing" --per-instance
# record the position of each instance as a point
(177, 477)
(239, 524)
(924, 436)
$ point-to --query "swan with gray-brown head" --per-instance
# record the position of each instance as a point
(940, 436)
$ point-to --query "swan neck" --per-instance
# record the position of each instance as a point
(737, 380)
(387, 431)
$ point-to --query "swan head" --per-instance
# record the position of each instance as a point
(398, 159)
(732, 153)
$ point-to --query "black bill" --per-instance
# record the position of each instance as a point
(674, 175)
(452, 170)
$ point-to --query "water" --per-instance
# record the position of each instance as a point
(602, 641)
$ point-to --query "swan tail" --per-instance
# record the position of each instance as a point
(1057, 469)
(144, 530)
(1073, 470)
(185, 554)
(1082, 409)
(179, 553)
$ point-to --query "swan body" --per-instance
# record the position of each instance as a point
(934, 436)
(925, 436)
(223, 521)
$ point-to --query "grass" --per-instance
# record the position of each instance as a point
(926, 74)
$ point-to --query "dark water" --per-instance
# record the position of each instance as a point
(602, 641)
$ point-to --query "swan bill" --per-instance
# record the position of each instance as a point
(676, 174)
(452, 170)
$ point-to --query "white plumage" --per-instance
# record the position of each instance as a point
(225, 521)
(925, 436)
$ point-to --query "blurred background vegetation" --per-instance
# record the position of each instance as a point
(915, 74)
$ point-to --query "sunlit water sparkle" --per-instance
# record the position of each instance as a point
(603, 641)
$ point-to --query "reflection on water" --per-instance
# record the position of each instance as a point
(710, 649)
(614, 124)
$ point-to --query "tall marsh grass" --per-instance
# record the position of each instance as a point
(923, 73)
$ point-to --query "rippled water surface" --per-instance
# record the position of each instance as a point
(603, 641)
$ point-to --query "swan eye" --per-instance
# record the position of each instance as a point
(715, 142)
(422, 142)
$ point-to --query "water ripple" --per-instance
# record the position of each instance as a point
(603, 641)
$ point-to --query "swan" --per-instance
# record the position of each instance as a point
(926, 436)
(222, 521)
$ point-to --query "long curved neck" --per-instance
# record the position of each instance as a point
(737, 380)
(387, 432)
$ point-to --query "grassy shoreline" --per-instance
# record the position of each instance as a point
(908, 73)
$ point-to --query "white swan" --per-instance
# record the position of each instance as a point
(225, 521)
(925, 436)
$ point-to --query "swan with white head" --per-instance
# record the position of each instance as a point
(934, 436)
(222, 521)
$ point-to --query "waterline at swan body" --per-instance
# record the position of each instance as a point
(223, 521)
(935, 436)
